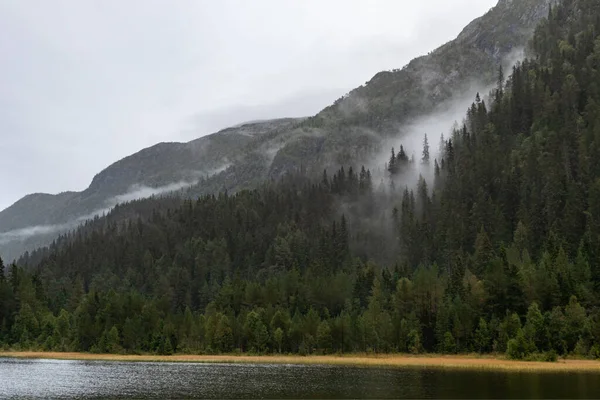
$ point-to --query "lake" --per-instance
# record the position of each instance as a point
(21, 378)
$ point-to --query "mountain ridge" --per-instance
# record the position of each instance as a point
(351, 130)
(496, 252)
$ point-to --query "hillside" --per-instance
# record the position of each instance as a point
(354, 130)
(37, 219)
(498, 256)
(497, 253)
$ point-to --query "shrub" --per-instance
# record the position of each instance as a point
(414, 342)
(551, 356)
(518, 348)
(581, 348)
(449, 345)
(594, 352)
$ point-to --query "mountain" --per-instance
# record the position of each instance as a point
(497, 253)
(36, 219)
(428, 81)
(353, 130)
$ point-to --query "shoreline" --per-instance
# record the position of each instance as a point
(358, 360)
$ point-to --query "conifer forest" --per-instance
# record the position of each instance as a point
(495, 249)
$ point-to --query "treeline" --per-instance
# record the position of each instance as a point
(300, 314)
(498, 253)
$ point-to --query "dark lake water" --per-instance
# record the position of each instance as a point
(98, 379)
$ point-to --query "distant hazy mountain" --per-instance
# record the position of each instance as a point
(37, 218)
(350, 131)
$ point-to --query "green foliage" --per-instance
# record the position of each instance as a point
(482, 339)
(508, 329)
(414, 342)
(324, 339)
(278, 337)
(449, 344)
(519, 348)
(256, 332)
(576, 329)
(535, 329)
(111, 341)
(223, 336)
(497, 254)
(550, 356)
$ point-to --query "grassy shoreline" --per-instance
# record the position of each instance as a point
(383, 360)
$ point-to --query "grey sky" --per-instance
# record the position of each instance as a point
(85, 83)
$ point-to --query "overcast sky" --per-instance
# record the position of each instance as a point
(85, 83)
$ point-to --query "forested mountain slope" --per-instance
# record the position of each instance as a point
(37, 219)
(353, 131)
(499, 252)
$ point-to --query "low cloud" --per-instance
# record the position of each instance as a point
(442, 121)
(24, 233)
(136, 192)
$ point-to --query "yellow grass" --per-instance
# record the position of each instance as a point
(427, 361)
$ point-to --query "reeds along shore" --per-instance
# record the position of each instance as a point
(426, 361)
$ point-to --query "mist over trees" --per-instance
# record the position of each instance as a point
(498, 253)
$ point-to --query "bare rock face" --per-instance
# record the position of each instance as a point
(244, 156)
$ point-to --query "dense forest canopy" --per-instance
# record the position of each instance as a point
(497, 253)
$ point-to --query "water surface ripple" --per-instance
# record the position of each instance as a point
(61, 379)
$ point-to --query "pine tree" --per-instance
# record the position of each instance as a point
(425, 154)
(324, 339)
(534, 329)
(392, 163)
(482, 337)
